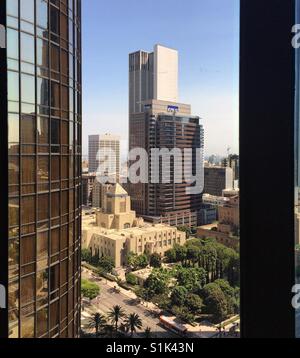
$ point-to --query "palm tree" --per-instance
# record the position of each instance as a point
(115, 314)
(133, 322)
(148, 333)
(96, 322)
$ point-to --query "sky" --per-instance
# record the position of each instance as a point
(206, 35)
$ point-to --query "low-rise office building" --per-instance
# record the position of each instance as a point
(207, 214)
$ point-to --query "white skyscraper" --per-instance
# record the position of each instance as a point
(152, 76)
(101, 147)
(165, 74)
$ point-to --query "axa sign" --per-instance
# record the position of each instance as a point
(2, 297)
(2, 36)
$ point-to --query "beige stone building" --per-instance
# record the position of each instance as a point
(226, 231)
(115, 230)
(229, 214)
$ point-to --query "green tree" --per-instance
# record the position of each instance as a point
(208, 260)
(97, 322)
(163, 301)
(133, 322)
(157, 283)
(155, 260)
(185, 229)
(142, 261)
(106, 263)
(195, 243)
(193, 279)
(132, 260)
(171, 255)
(137, 261)
(225, 287)
(86, 255)
(184, 314)
(89, 289)
(215, 302)
(194, 303)
(181, 253)
(233, 271)
(231, 294)
(223, 257)
(94, 260)
(193, 254)
(115, 315)
(131, 279)
(143, 293)
(178, 296)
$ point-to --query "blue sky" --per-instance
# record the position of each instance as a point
(206, 34)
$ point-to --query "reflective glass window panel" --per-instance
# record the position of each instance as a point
(43, 169)
(28, 170)
(28, 88)
(27, 10)
(42, 13)
(28, 132)
(12, 44)
(42, 53)
(12, 7)
(28, 210)
(13, 86)
(27, 48)
(28, 250)
(43, 130)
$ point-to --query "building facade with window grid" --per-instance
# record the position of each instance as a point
(43, 58)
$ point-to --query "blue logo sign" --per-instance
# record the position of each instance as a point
(173, 109)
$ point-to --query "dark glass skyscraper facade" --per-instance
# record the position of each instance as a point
(43, 113)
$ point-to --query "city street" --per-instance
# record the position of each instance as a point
(109, 298)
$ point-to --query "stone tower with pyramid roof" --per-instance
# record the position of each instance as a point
(116, 212)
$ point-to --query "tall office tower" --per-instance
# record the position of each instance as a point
(152, 76)
(110, 152)
(157, 127)
(40, 222)
(156, 120)
(141, 79)
(105, 148)
(94, 147)
(88, 181)
(233, 162)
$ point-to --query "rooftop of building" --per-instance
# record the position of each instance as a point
(156, 45)
(117, 190)
(89, 223)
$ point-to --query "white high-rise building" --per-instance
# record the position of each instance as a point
(152, 76)
(165, 74)
(101, 147)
